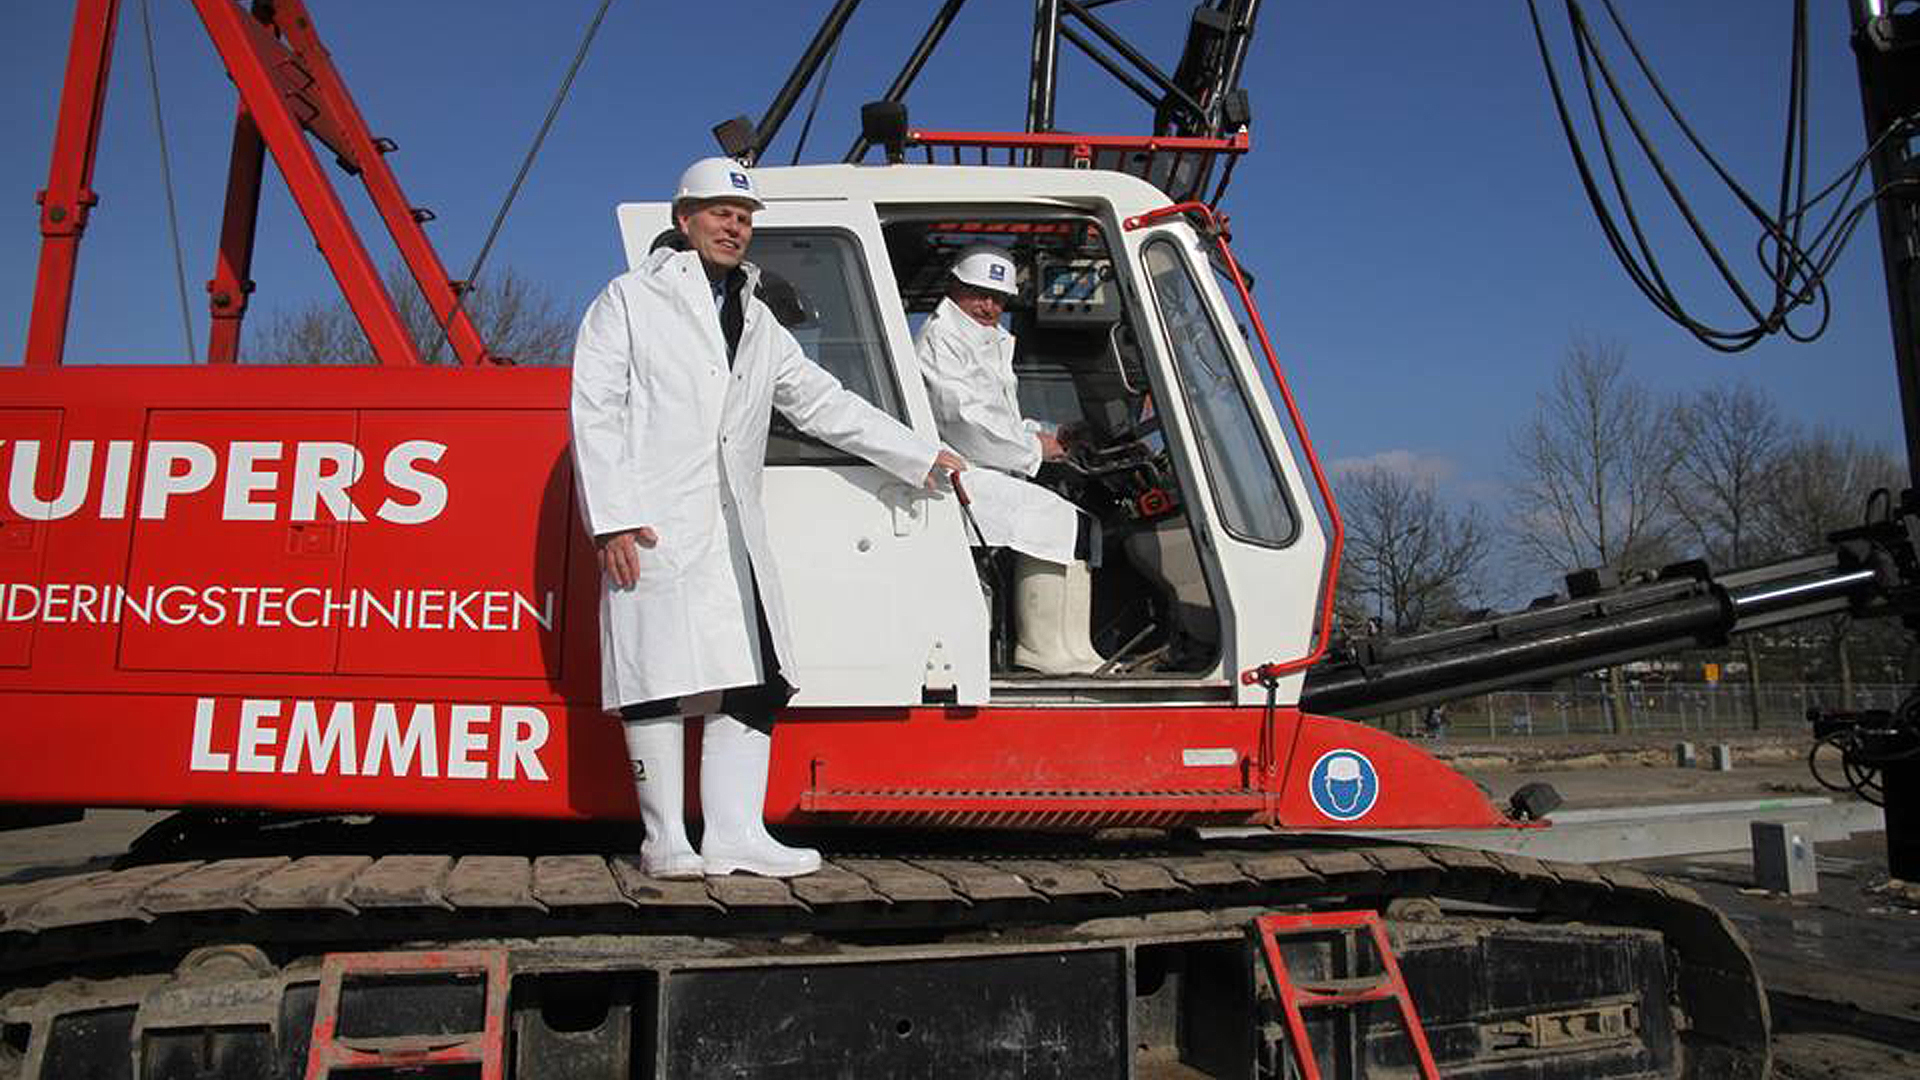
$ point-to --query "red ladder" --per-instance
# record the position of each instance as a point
(1337, 992)
(485, 1048)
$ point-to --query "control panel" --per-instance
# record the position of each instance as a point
(1075, 292)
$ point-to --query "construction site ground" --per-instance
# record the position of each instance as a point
(1842, 967)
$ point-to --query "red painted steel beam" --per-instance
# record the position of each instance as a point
(248, 49)
(330, 1052)
(1238, 143)
(228, 291)
(363, 153)
(69, 195)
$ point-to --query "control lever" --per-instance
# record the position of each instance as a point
(966, 507)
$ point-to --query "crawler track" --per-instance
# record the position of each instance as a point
(142, 918)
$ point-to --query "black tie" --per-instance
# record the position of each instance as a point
(732, 314)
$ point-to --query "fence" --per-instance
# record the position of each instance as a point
(1673, 708)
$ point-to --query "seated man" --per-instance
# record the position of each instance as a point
(966, 358)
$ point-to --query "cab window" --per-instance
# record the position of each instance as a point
(816, 284)
(1239, 463)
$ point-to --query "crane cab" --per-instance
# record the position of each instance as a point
(1206, 550)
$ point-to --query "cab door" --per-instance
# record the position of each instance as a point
(1254, 516)
(881, 595)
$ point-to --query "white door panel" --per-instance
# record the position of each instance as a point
(878, 579)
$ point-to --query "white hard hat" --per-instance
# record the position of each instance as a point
(987, 267)
(1343, 768)
(718, 178)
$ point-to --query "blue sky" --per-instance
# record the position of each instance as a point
(1423, 250)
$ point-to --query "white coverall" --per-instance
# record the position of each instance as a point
(968, 370)
(665, 435)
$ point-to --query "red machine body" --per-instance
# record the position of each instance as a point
(366, 589)
(191, 606)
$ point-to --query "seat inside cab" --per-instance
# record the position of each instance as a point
(1081, 367)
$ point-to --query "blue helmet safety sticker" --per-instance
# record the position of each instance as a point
(997, 272)
(740, 181)
(1343, 784)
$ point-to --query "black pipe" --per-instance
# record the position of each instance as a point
(1885, 64)
(1689, 610)
(1355, 692)
(1237, 56)
(802, 74)
(1111, 65)
(1119, 44)
(903, 82)
(1239, 40)
(1046, 65)
(1752, 605)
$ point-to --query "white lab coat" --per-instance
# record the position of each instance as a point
(664, 435)
(975, 395)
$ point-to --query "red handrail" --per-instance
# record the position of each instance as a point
(1216, 225)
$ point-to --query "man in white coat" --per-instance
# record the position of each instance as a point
(966, 359)
(675, 369)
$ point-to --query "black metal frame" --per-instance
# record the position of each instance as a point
(1888, 52)
(1193, 101)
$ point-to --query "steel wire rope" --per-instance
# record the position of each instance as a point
(526, 165)
(819, 89)
(1796, 268)
(166, 180)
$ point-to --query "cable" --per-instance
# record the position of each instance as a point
(166, 182)
(1793, 265)
(819, 89)
(526, 166)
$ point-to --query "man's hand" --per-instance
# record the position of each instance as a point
(946, 461)
(620, 553)
(1050, 448)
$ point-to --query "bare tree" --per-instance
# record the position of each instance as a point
(1410, 561)
(1592, 474)
(1593, 467)
(1730, 445)
(1731, 441)
(517, 318)
(1821, 483)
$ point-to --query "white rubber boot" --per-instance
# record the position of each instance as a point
(1076, 625)
(1040, 614)
(657, 749)
(733, 797)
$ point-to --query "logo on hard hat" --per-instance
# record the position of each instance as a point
(997, 272)
(740, 181)
(1343, 784)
